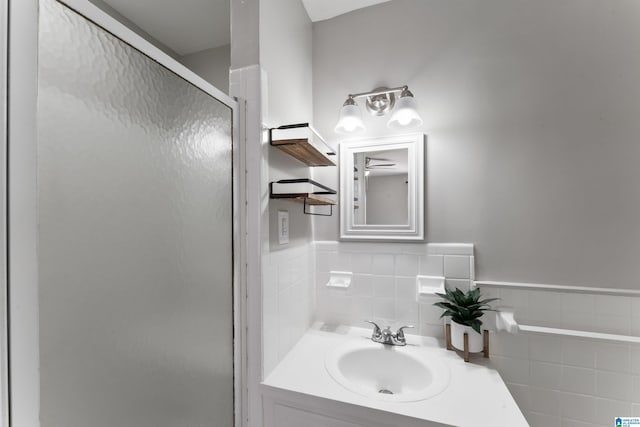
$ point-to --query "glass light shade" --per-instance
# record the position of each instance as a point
(350, 120)
(405, 114)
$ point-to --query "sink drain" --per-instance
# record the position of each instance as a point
(385, 391)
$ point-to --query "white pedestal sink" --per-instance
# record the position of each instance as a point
(388, 373)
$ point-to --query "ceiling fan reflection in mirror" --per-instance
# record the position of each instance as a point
(378, 163)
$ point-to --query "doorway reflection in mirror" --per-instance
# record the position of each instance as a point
(380, 187)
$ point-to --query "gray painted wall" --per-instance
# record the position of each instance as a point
(245, 16)
(212, 65)
(532, 114)
(285, 55)
(387, 199)
(133, 27)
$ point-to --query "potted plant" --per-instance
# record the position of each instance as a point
(465, 310)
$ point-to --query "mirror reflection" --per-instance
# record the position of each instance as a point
(380, 187)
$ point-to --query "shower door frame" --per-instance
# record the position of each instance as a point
(4, 378)
(19, 339)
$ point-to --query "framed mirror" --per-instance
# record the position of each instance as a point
(382, 188)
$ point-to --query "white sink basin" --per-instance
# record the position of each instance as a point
(389, 373)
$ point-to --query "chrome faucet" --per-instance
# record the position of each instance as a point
(385, 336)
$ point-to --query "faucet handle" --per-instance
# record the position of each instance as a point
(376, 329)
(400, 333)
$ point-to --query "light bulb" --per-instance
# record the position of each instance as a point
(405, 114)
(404, 118)
(350, 119)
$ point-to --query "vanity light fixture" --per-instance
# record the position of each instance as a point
(379, 102)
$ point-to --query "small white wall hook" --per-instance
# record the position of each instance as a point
(505, 321)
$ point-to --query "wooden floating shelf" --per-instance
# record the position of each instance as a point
(302, 150)
(303, 143)
(309, 198)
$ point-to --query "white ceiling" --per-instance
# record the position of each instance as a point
(185, 26)
(189, 26)
(319, 10)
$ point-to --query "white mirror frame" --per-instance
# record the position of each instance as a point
(414, 230)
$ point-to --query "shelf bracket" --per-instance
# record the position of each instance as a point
(307, 211)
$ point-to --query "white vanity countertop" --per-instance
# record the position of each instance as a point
(475, 397)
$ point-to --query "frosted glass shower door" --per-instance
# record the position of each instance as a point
(135, 236)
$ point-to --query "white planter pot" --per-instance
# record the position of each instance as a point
(457, 337)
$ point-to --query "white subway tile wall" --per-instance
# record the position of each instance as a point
(431, 265)
(288, 300)
(384, 288)
(569, 382)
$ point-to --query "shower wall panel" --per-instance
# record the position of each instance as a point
(135, 236)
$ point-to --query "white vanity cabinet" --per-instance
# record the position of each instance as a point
(283, 408)
(288, 416)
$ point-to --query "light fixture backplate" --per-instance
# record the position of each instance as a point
(379, 105)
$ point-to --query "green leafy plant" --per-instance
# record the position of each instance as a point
(465, 308)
